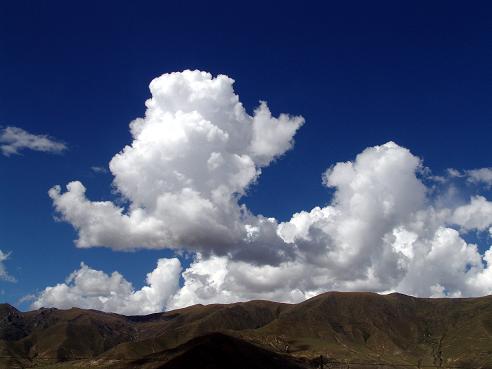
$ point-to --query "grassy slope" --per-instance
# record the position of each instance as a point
(343, 326)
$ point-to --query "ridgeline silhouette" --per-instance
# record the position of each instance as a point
(332, 330)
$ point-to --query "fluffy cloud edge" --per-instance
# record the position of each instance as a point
(381, 232)
(94, 289)
(193, 155)
(196, 153)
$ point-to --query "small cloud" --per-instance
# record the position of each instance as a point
(454, 173)
(26, 298)
(480, 176)
(97, 169)
(4, 275)
(15, 139)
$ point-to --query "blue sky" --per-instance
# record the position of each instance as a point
(360, 74)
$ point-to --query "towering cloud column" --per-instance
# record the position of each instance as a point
(193, 156)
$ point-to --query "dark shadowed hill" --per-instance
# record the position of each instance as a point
(355, 327)
(217, 350)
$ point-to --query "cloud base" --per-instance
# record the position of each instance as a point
(195, 154)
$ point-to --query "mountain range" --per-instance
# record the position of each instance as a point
(334, 329)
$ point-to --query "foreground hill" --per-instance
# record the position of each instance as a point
(333, 327)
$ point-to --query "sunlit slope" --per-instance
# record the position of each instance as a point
(358, 327)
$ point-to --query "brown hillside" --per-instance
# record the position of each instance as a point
(355, 327)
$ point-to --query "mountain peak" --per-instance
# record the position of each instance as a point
(6, 308)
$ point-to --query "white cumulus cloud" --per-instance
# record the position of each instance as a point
(15, 139)
(475, 215)
(195, 154)
(381, 232)
(94, 289)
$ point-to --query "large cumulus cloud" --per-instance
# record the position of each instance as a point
(194, 155)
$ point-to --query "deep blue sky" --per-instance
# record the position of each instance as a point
(361, 73)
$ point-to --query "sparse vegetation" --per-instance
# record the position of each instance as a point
(327, 331)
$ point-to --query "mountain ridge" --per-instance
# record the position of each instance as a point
(338, 326)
